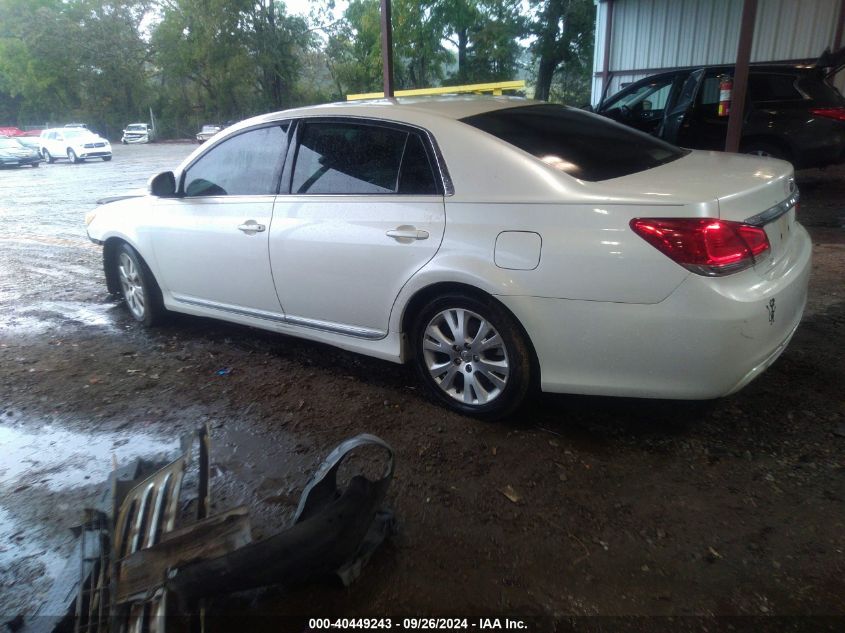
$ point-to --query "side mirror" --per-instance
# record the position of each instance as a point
(163, 185)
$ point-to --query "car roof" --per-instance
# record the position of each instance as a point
(801, 69)
(449, 107)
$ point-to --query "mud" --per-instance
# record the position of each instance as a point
(613, 507)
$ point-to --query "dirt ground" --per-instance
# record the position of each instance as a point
(625, 507)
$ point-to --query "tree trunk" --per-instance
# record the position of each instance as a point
(463, 41)
(545, 72)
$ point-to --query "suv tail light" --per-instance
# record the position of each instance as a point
(704, 245)
(837, 112)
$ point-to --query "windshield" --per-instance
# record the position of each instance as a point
(137, 127)
(585, 146)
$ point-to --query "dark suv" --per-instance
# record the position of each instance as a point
(792, 111)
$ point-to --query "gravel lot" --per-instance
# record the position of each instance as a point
(626, 507)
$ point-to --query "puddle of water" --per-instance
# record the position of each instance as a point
(57, 458)
(44, 463)
(40, 317)
(18, 543)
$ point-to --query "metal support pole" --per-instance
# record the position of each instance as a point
(605, 70)
(740, 80)
(387, 48)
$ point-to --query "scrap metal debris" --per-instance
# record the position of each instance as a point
(136, 564)
(511, 494)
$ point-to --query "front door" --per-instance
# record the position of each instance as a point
(364, 213)
(212, 246)
(675, 126)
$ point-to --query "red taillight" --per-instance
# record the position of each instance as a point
(837, 113)
(704, 246)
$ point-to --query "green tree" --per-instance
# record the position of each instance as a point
(37, 57)
(564, 35)
(110, 59)
(486, 34)
(202, 56)
(417, 43)
(353, 49)
(278, 44)
(73, 59)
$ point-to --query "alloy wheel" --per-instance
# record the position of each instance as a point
(465, 356)
(130, 282)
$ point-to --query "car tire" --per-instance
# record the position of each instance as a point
(72, 157)
(472, 355)
(123, 141)
(106, 159)
(138, 287)
(47, 156)
(36, 164)
(764, 149)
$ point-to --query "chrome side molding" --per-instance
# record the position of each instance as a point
(276, 317)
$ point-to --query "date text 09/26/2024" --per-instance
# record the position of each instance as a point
(415, 624)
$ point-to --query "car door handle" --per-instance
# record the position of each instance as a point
(407, 233)
(251, 226)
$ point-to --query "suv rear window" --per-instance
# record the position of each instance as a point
(585, 146)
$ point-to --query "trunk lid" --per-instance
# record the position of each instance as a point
(736, 187)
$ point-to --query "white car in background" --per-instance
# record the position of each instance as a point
(208, 130)
(75, 144)
(137, 133)
(496, 243)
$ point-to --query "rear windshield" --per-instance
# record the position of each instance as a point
(820, 90)
(585, 146)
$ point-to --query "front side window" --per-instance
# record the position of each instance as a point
(246, 164)
(648, 97)
(585, 146)
(337, 157)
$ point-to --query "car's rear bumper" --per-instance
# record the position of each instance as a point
(21, 162)
(708, 339)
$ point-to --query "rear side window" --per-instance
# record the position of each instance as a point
(585, 146)
(247, 164)
(336, 157)
(416, 176)
(772, 87)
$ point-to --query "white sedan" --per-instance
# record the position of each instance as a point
(498, 244)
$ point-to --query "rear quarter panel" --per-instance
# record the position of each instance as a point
(588, 253)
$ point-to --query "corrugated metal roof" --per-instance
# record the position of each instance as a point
(653, 34)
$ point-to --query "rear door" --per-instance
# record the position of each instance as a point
(364, 212)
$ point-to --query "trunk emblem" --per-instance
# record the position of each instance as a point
(770, 307)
